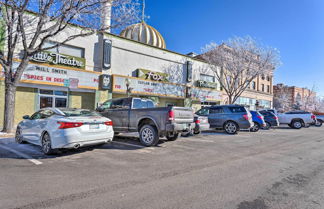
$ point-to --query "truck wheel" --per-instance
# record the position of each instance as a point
(297, 124)
(255, 128)
(231, 127)
(174, 136)
(148, 135)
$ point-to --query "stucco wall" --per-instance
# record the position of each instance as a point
(2, 91)
(82, 100)
(25, 102)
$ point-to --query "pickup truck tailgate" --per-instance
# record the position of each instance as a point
(183, 115)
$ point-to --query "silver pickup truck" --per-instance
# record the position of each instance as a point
(139, 115)
(297, 119)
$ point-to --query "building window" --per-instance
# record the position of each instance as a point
(65, 49)
(268, 78)
(253, 85)
(262, 87)
(52, 98)
(268, 88)
(263, 77)
(207, 78)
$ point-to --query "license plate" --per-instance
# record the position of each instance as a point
(94, 126)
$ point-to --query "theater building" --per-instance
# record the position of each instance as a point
(140, 62)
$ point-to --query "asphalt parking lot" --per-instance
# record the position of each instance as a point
(282, 168)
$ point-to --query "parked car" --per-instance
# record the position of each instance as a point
(297, 119)
(270, 118)
(274, 111)
(319, 120)
(139, 115)
(258, 121)
(53, 128)
(201, 124)
(230, 118)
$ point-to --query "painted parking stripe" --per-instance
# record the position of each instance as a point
(128, 144)
(27, 157)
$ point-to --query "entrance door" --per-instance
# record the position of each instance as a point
(52, 98)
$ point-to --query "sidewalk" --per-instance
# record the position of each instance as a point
(6, 135)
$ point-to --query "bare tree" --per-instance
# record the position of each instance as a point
(282, 99)
(30, 23)
(238, 61)
(308, 99)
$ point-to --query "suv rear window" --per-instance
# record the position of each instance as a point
(237, 109)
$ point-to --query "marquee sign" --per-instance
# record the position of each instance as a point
(144, 87)
(61, 77)
(59, 59)
(151, 75)
(206, 84)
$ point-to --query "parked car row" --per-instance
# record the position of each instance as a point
(59, 128)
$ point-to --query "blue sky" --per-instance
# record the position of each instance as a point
(295, 27)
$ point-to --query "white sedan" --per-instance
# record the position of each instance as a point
(55, 128)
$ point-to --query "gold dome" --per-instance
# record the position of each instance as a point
(144, 33)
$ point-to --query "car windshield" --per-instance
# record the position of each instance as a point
(78, 112)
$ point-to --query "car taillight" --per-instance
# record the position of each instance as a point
(260, 117)
(246, 117)
(275, 117)
(197, 121)
(65, 125)
(171, 115)
(313, 117)
(108, 123)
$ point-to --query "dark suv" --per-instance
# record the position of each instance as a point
(231, 118)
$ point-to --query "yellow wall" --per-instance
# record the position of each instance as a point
(83, 100)
(2, 91)
(25, 102)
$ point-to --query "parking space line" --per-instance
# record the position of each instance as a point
(128, 144)
(27, 157)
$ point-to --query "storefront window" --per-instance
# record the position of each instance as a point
(207, 78)
(50, 98)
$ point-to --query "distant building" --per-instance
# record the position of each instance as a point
(293, 97)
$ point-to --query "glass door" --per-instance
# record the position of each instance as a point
(52, 98)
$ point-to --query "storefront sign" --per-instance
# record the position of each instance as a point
(68, 78)
(150, 75)
(105, 82)
(59, 59)
(144, 87)
(206, 84)
(204, 95)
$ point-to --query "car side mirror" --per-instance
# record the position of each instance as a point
(100, 109)
(26, 117)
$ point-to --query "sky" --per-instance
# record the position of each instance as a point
(294, 27)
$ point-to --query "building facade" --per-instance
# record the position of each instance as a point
(259, 95)
(292, 97)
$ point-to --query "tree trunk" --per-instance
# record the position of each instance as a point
(9, 114)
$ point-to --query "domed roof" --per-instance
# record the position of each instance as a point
(144, 33)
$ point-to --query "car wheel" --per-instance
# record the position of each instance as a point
(18, 137)
(318, 123)
(197, 132)
(268, 126)
(47, 144)
(297, 124)
(255, 128)
(148, 135)
(174, 136)
(231, 127)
